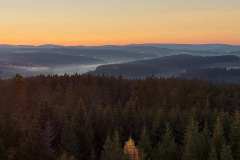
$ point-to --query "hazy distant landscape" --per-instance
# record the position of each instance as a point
(54, 59)
(224, 68)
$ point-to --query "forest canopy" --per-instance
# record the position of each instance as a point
(84, 117)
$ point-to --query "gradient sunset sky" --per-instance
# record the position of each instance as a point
(97, 22)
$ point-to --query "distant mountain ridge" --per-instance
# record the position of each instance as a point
(169, 66)
(217, 75)
(57, 59)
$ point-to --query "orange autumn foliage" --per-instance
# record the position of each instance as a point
(131, 150)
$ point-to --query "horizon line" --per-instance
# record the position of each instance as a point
(111, 44)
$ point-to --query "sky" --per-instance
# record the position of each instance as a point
(98, 22)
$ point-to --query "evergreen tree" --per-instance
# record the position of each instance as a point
(213, 154)
(69, 139)
(145, 145)
(112, 149)
(167, 149)
(93, 155)
(226, 153)
(204, 143)
(191, 145)
(48, 135)
(218, 136)
(81, 137)
(235, 136)
(3, 154)
(107, 153)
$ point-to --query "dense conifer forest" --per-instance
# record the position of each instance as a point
(105, 118)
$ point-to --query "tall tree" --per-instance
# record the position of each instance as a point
(112, 149)
(213, 154)
(167, 149)
(218, 138)
(235, 136)
(226, 153)
(47, 137)
(144, 145)
(93, 155)
(191, 149)
(3, 152)
(204, 143)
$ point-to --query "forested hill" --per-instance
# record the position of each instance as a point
(91, 118)
(54, 59)
(182, 65)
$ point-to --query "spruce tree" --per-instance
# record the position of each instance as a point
(167, 149)
(226, 153)
(204, 143)
(191, 144)
(218, 136)
(107, 153)
(2, 151)
(235, 136)
(213, 154)
(93, 155)
(112, 149)
(145, 145)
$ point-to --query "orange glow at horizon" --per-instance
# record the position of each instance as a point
(119, 22)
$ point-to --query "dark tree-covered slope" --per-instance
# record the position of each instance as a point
(91, 118)
(169, 66)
